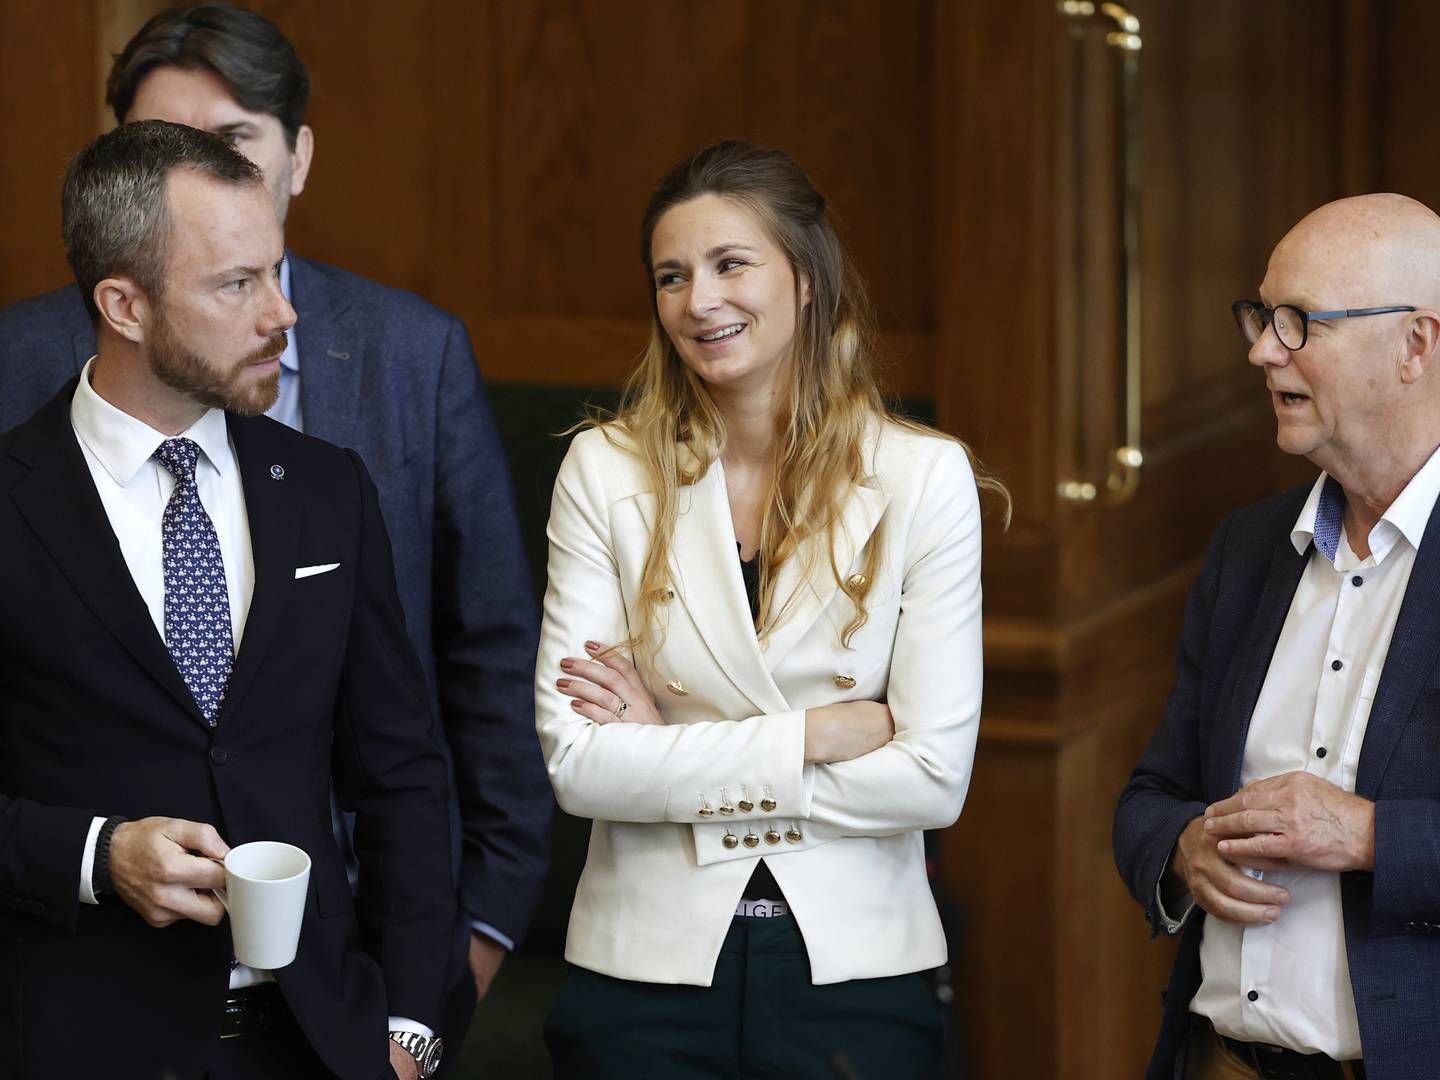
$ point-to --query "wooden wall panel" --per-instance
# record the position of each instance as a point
(845, 89)
(48, 95)
(1409, 87)
(496, 157)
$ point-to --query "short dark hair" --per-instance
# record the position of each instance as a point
(248, 51)
(114, 214)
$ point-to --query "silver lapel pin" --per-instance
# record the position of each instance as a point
(277, 472)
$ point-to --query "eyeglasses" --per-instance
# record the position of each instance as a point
(1292, 325)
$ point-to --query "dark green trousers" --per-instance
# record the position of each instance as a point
(761, 1019)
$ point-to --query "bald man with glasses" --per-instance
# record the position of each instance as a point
(1284, 821)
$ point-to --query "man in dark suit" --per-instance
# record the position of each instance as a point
(200, 629)
(383, 372)
(1284, 817)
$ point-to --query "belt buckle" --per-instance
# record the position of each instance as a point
(761, 909)
(247, 1013)
(1286, 1064)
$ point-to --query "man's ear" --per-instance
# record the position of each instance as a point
(1422, 341)
(300, 159)
(124, 307)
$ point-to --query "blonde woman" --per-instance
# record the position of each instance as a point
(760, 667)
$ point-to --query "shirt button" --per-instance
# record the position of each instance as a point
(1253, 995)
(219, 755)
(1320, 752)
(1336, 665)
(1357, 580)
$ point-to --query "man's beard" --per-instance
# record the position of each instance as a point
(180, 369)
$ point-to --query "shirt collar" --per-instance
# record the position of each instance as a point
(290, 358)
(122, 443)
(1407, 516)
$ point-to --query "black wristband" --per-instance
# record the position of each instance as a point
(100, 882)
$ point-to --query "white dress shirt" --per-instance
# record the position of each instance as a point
(1288, 983)
(134, 489)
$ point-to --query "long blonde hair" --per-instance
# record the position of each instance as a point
(833, 403)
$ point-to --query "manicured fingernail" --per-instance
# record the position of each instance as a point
(1272, 913)
(567, 664)
(1209, 822)
(1224, 845)
(563, 684)
(575, 705)
(592, 646)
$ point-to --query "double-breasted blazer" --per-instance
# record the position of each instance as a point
(1233, 621)
(660, 884)
(96, 720)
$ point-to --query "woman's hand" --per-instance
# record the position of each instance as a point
(600, 685)
(846, 730)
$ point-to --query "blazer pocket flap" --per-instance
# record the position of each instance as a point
(311, 571)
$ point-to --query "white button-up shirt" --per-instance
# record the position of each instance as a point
(1311, 715)
(134, 488)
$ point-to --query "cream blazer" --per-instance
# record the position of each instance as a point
(844, 841)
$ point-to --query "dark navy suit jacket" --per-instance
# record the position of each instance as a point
(392, 376)
(1392, 915)
(96, 720)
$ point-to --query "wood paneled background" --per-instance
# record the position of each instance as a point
(495, 157)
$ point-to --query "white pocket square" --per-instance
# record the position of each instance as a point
(311, 571)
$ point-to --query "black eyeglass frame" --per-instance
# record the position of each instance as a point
(1267, 317)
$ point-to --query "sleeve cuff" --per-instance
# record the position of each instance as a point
(413, 1027)
(482, 927)
(87, 863)
(1173, 924)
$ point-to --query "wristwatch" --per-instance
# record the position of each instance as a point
(100, 880)
(425, 1049)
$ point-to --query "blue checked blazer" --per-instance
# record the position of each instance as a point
(1392, 915)
(395, 378)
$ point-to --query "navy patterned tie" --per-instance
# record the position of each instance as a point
(1328, 516)
(197, 602)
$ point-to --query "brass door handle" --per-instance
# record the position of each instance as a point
(1122, 476)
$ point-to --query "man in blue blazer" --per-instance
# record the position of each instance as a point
(383, 372)
(1285, 818)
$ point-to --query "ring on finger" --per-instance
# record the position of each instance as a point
(619, 710)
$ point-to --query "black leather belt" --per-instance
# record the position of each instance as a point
(1278, 1063)
(253, 1010)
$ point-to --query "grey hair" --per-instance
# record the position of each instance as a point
(114, 215)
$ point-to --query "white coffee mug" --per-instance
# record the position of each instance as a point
(265, 884)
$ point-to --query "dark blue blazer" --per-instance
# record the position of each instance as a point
(96, 720)
(1392, 915)
(392, 376)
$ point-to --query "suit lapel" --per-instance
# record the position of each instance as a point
(806, 582)
(1256, 647)
(329, 361)
(1409, 663)
(273, 508)
(707, 577)
(60, 502)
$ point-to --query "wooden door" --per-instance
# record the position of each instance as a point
(1084, 599)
